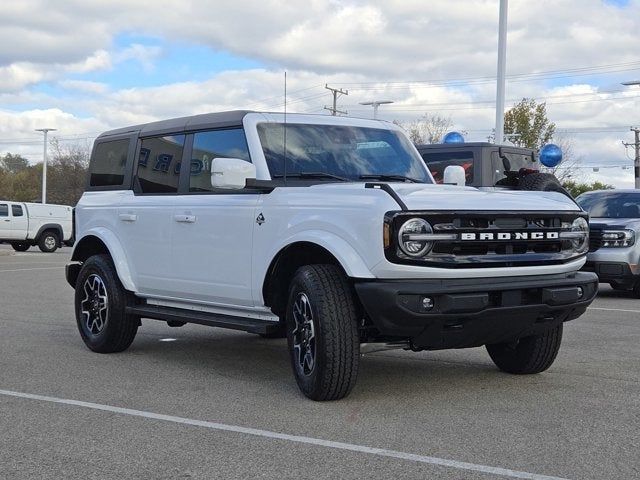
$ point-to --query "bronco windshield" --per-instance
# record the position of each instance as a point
(340, 152)
(611, 204)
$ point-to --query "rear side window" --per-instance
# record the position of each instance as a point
(437, 162)
(16, 210)
(108, 163)
(230, 143)
(4, 210)
(159, 163)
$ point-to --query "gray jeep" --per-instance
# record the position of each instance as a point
(614, 251)
(488, 165)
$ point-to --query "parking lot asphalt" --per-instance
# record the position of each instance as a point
(198, 402)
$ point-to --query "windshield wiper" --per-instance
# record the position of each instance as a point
(313, 175)
(389, 177)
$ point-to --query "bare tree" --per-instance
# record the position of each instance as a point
(429, 128)
(67, 172)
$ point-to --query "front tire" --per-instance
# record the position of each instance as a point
(527, 355)
(100, 302)
(322, 332)
(48, 242)
(20, 247)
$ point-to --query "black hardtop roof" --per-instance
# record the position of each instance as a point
(434, 146)
(194, 122)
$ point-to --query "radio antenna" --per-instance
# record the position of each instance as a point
(284, 130)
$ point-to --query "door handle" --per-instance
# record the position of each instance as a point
(128, 217)
(185, 218)
(7, 220)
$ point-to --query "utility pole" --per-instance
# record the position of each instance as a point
(375, 104)
(336, 92)
(636, 145)
(44, 162)
(502, 66)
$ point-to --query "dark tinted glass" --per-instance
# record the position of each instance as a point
(16, 210)
(507, 167)
(4, 210)
(437, 162)
(229, 143)
(611, 204)
(108, 163)
(159, 163)
(345, 151)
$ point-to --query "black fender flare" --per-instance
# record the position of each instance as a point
(50, 226)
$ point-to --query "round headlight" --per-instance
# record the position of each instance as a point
(580, 245)
(408, 237)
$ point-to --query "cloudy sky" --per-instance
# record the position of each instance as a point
(84, 66)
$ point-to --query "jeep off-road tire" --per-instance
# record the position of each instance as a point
(322, 332)
(20, 247)
(100, 302)
(528, 355)
(544, 182)
(48, 241)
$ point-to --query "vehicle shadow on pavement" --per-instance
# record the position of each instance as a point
(246, 358)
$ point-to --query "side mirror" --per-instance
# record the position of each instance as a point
(231, 173)
(455, 175)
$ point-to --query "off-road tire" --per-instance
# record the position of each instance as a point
(528, 355)
(544, 182)
(336, 341)
(20, 247)
(48, 241)
(119, 329)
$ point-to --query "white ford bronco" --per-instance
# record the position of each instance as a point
(327, 230)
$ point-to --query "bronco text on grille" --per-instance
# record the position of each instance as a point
(492, 239)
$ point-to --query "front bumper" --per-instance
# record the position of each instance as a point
(474, 312)
(614, 272)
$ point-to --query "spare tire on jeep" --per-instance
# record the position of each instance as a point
(545, 182)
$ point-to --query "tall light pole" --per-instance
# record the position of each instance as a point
(375, 105)
(44, 162)
(636, 143)
(502, 67)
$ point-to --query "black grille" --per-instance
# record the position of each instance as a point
(492, 252)
(595, 239)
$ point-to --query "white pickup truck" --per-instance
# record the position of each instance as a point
(26, 224)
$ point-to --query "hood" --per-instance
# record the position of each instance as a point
(630, 223)
(449, 197)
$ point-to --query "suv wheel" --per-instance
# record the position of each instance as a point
(20, 247)
(48, 242)
(636, 289)
(527, 355)
(322, 332)
(100, 302)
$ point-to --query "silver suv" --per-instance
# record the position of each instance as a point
(614, 252)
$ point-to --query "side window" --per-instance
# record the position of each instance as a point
(437, 162)
(16, 210)
(159, 163)
(4, 210)
(229, 143)
(108, 163)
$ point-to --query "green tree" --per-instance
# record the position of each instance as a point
(576, 189)
(526, 124)
(12, 163)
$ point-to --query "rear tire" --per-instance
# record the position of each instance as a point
(528, 355)
(100, 302)
(322, 332)
(48, 241)
(20, 247)
(636, 289)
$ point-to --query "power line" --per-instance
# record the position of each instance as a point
(335, 92)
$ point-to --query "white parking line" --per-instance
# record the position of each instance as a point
(443, 462)
(614, 310)
(61, 267)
